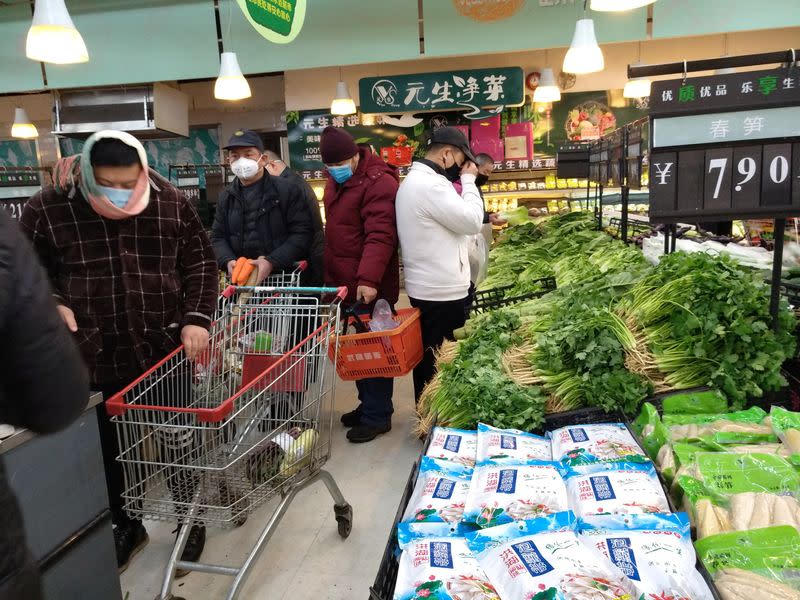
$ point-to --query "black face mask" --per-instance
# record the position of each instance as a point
(481, 180)
(453, 172)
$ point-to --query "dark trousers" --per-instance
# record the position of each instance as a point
(375, 395)
(470, 299)
(115, 476)
(438, 321)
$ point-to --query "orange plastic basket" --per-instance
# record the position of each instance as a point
(390, 353)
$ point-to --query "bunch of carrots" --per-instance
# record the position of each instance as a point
(242, 271)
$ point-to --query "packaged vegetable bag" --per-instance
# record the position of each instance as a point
(694, 402)
(763, 564)
(437, 564)
(584, 444)
(542, 559)
(654, 551)
(440, 492)
(510, 445)
(741, 427)
(615, 489)
(786, 425)
(501, 493)
(651, 430)
(456, 445)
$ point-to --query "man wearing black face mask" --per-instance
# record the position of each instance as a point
(434, 222)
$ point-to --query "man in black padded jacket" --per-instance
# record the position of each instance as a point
(43, 386)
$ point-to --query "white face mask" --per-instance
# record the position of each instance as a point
(245, 168)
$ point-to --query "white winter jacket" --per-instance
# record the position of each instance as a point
(433, 223)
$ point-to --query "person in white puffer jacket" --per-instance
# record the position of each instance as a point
(434, 223)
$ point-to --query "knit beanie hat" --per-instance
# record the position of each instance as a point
(336, 145)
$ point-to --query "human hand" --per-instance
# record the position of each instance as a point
(264, 268)
(195, 340)
(68, 317)
(494, 219)
(231, 266)
(366, 294)
(469, 168)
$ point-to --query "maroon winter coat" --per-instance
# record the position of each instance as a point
(361, 231)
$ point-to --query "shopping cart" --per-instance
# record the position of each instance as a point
(210, 441)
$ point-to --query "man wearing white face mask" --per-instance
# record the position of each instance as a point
(261, 217)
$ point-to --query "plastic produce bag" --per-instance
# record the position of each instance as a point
(437, 564)
(651, 430)
(786, 425)
(440, 492)
(478, 253)
(763, 564)
(456, 445)
(382, 317)
(584, 444)
(502, 493)
(741, 427)
(694, 403)
(510, 445)
(616, 488)
(654, 551)
(542, 559)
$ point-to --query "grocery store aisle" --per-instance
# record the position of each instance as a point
(306, 558)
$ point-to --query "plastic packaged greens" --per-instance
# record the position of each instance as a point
(456, 445)
(437, 564)
(694, 402)
(510, 445)
(787, 426)
(651, 430)
(763, 564)
(654, 551)
(501, 493)
(616, 488)
(440, 492)
(584, 444)
(742, 427)
(735, 492)
(542, 559)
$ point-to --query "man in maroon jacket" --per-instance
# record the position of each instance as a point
(361, 253)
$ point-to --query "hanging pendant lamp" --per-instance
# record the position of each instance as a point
(584, 54)
(638, 87)
(547, 90)
(343, 103)
(23, 127)
(52, 37)
(231, 83)
(618, 5)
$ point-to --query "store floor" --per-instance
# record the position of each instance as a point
(306, 558)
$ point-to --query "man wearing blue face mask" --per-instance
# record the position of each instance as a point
(260, 216)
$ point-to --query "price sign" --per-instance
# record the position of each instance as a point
(747, 181)
(13, 207)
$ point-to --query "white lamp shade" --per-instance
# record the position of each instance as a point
(637, 88)
(584, 55)
(231, 84)
(547, 90)
(618, 5)
(343, 104)
(22, 127)
(52, 36)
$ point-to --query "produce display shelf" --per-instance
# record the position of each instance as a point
(494, 298)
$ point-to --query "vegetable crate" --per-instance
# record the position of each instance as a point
(213, 439)
(391, 353)
(494, 298)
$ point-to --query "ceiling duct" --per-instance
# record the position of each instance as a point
(148, 111)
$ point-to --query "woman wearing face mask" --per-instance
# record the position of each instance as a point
(361, 253)
(261, 217)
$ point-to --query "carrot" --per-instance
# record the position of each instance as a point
(244, 274)
(237, 269)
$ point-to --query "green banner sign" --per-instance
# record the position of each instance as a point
(277, 20)
(449, 90)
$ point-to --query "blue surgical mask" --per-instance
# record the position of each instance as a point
(117, 196)
(341, 174)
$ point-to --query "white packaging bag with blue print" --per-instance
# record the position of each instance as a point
(437, 564)
(455, 445)
(615, 489)
(440, 492)
(654, 552)
(584, 444)
(502, 493)
(511, 445)
(542, 559)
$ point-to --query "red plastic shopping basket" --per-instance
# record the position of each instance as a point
(391, 353)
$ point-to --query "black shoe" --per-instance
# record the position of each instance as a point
(129, 539)
(366, 433)
(352, 419)
(194, 547)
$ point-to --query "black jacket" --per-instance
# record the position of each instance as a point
(283, 224)
(316, 261)
(43, 384)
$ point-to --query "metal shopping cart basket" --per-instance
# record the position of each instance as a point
(209, 441)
